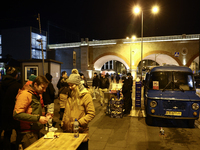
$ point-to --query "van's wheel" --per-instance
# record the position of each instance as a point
(191, 123)
(149, 120)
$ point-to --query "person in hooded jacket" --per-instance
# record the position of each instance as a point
(28, 111)
(9, 90)
(48, 98)
(79, 106)
(29, 82)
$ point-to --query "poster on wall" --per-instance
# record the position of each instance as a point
(30, 70)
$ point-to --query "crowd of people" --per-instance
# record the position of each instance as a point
(28, 108)
(102, 85)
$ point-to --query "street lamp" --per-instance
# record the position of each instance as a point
(138, 10)
(155, 9)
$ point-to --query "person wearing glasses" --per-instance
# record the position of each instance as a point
(28, 110)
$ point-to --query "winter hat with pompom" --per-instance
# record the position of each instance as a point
(74, 71)
(74, 79)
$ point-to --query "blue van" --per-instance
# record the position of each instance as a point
(169, 92)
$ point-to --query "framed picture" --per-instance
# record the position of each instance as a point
(30, 70)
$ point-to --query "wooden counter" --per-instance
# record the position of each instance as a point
(65, 141)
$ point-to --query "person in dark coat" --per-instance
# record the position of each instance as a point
(126, 91)
(95, 84)
(112, 78)
(130, 78)
(64, 75)
(83, 80)
(48, 98)
(63, 95)
(9, 90)
(117, 78)
(103, 87)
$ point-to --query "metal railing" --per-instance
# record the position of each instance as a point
(125, 41)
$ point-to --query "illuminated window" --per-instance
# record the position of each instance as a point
(37, 54)
(36, 46)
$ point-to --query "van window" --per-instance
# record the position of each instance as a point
(171, 81)
(183, 80)
(162, 78)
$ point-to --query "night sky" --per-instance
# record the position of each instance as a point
(102, 19)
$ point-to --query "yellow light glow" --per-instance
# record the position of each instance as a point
(195, 113)
(133, 37)
(90, 73)
(127, 38)
(136, 10)
(155, 9)
(153, 111)
(184, 61)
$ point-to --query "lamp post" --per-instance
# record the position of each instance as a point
(40, 40)
(141, 43)
(132, 39)
(137, 10)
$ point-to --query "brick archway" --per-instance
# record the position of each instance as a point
(192, 59)
(101, 59)
(159, 52)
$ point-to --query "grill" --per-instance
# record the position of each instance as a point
(176, 105)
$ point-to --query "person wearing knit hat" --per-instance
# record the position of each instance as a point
(12, 72)
(8, 90)
(28, 111)
(74, 79)
(32, 77)
(74, 71)
(79, 105)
